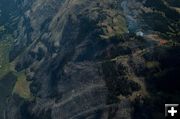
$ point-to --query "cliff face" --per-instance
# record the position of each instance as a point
(85, 59)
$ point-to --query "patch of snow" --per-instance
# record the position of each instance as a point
(140, 33)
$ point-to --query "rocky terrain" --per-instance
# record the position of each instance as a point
(89, 59)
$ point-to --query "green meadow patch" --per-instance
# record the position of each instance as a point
(5, 45)
(21, 85)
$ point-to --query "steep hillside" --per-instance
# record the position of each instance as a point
(9, 78)
(93, 59)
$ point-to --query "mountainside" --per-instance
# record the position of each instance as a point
(88, 59)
